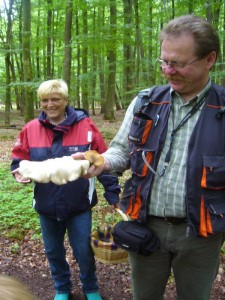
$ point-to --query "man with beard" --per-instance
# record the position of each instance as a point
(172, 138)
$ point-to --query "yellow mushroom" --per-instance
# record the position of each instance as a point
(94, 157)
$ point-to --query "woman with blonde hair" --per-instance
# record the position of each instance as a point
(61, 130)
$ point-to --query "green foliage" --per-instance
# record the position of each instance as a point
(17, 215)
(97, 210)
(7, 137)
(15, 248)
(110, 218)
(135, 32)
(223, 249)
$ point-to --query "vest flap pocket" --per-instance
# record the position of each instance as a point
(129, 188)
(139, 130)
(141, 162)
(215, 214)
(213, 174)
(128, 201)
(216, 206)
(215, 161)
(212, 217)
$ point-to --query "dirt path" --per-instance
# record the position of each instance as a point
(27, 262)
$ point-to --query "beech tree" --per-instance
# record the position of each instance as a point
(110, 94)
(27, 69)
(106, 50)
(7, 45)
(67, 42)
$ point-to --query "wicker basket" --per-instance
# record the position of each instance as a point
(102, 243)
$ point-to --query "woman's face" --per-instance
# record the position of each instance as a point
(191, 78)
(54, 107)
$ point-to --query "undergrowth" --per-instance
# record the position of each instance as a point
(17, 214)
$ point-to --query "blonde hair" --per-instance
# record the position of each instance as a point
(12, 289)
(48, 87)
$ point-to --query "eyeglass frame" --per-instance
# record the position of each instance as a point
(175, 65)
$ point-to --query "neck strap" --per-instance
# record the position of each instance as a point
(193, 110)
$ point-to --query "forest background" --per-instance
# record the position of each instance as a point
(105, 50)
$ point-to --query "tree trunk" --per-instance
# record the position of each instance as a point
(29, 101)
(127, 52)
(49, 40)
(222, 81)
(141, 67)
(101, 64)
(67, 41)
(19, 63)
(77, 93)
(84, 55)
(94, 68)
(38, 66)
(7, 90)
(110, 100)
(150, 62)
(13, 76)
(7, 63)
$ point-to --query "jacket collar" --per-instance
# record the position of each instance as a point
(73, 117)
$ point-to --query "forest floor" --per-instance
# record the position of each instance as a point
(27, 261)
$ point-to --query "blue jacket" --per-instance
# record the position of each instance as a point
(205, 176)
(39, 140)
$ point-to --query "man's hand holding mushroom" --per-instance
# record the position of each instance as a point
(98, 163)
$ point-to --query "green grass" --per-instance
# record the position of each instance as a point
(17, 214)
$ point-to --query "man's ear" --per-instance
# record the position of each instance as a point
(211, 59)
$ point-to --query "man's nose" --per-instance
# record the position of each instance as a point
(169, 70)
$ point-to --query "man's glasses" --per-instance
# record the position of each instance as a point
(175, 65)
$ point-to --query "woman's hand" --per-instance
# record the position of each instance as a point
(19, 178)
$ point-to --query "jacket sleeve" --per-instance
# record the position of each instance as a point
(118, 153)
(20, 150)
(109, 181)
(111, 186)
(98, 142)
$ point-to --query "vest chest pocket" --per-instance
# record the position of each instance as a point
(139, 131)
(213, 174)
